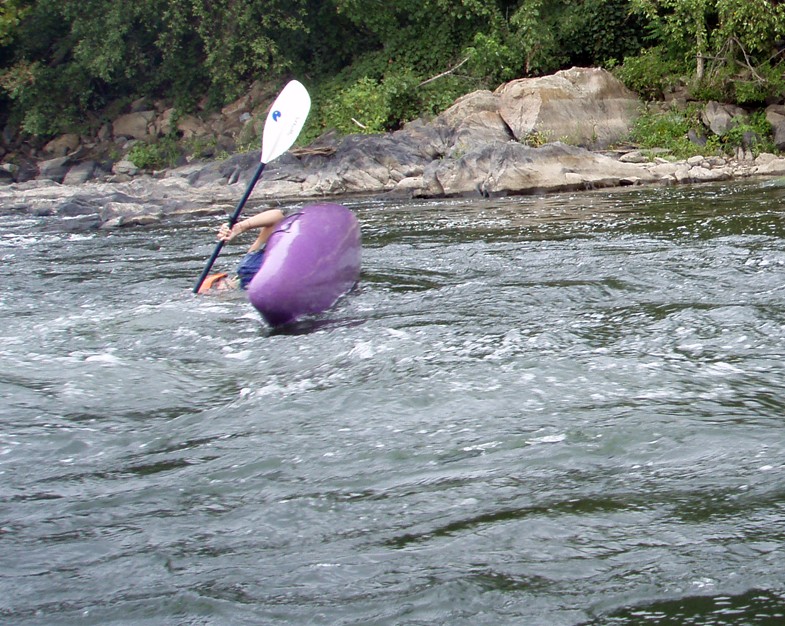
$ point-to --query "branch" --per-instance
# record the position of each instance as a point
(450, 71)
(747, 59)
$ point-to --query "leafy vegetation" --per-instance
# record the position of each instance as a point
(753, 134)
(371, 66)
(651, 73)
(671, 129)
(730, 50)
(155, 155)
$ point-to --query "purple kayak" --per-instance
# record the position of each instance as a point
(312, 259)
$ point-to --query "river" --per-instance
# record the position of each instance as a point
(559, 410)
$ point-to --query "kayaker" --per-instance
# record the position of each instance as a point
(266, 221)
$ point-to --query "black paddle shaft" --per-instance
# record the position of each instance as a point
(232, 222)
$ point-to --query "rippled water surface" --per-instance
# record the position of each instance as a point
(550, 410)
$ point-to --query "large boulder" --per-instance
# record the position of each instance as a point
(513, 168)
(475, 119)
(191, 126)
(8, 172)
(165, 123)
(588, 107)
(720, 118)
(54, 169)
(775, 115)
(62, 145)
(134, 125)
(80, 173)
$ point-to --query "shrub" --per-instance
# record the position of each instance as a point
(650, 74)
(362, 107)
(155, 155)
(374, 106)
(493, 60)
(754, 134)
(669, 130)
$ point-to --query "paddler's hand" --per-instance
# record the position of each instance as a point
(227, 234)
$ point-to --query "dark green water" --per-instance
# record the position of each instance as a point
(560, 410)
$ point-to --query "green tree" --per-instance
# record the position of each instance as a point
(404, 45)
(11, 13)
(731, 44)
(63, 58)
(599, 32)
(240, 39)
(422, 35)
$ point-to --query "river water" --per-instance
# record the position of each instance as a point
(558, 410)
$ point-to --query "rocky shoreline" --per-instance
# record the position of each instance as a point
(576, 120)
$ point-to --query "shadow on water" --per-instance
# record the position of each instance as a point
(308, 326)
(754, 607)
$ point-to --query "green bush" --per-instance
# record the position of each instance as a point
(493, 60)
(439, 95)
(658, 129)
(376, 106)
(669, 130)
(758, 128)
(155, 155)
(729, 82)
(650, 74)
(362, 107)
(769, 84)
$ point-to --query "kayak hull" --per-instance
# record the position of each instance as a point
(311, 259)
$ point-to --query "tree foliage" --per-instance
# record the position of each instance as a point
(733, 47)
(62, 62)
(66, 57)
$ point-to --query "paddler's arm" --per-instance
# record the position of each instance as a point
(266, 220)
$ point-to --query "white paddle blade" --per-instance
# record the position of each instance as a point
(285, 120)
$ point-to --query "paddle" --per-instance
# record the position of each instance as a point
(284, 123)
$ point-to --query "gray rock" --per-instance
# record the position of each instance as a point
(134, 125)
(475, 119)
(697, 139)
(771, 167)
(54, 169)
(8, 172)
(700, 174)
(582, 106)
(635, 156)
(62, 145)
(191, 126)
(78, 223)
(775, 115)
(125, 167)
(511, 168)
(80, 173)
(75, 207)
(720, 118)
